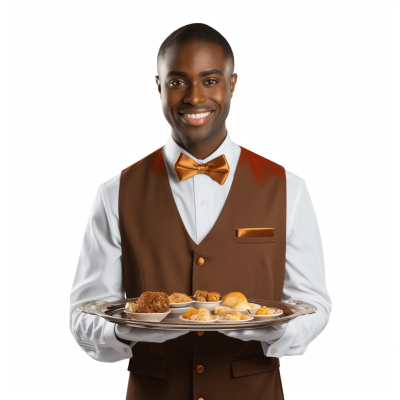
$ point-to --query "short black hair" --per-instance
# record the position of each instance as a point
(199, 33)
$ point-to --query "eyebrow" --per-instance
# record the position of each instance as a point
(201, 74)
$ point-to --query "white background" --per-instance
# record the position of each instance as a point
(317, 92)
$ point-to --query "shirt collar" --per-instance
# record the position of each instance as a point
(172, 151)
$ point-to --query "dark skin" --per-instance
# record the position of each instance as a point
(196, 78)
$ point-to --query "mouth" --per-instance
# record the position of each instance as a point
(196, 118)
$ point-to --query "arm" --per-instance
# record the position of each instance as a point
(304, 279)
(99, 277)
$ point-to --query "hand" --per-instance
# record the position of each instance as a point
(146, 335)
(268, 335)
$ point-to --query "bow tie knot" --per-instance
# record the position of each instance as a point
(217, 169)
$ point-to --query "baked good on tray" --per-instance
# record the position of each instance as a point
(197, 315)
(189, 313)
(179, 298)
(236, 316)
(204, 295)
(230, 299)
(242, 305)
(265, 311)
(149, 302)
(221, 311)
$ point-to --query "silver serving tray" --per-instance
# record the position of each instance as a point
(113, 311)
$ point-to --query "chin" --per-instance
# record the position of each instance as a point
(195, 135)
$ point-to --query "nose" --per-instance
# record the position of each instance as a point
(194, 95)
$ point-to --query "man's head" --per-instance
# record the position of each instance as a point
(195, 76)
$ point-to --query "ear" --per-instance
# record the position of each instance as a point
(158, 84)
(233, 83)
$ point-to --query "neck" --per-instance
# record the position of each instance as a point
(201, 150)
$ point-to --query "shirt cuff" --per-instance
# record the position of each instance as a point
(278, 348)
(111, 339)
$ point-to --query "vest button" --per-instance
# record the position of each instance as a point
(199, 369)
(200, 261)
(200, 333)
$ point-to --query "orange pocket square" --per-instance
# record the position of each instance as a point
(255, 232)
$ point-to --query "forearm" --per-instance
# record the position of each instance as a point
(99, 277)
(96, 337)
(298, 334)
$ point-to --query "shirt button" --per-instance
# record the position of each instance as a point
(203, 203)
(125, 350)
(200, 261)
(200, 333)
(199, 369)
(274, 350)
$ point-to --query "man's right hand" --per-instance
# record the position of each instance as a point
(146, 335)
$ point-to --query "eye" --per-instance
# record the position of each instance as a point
(212, 81)
(176, 83)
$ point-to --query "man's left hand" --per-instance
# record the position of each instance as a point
(268, 335)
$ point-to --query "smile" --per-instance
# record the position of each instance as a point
(196, 119)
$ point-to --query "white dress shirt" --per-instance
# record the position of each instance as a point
(200, 199)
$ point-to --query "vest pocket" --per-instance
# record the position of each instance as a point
(254, 240)
(253, 365)
(150, 366)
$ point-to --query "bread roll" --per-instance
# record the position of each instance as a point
(242, 305)
(232, 298)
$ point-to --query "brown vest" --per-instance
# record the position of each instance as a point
(159, 255)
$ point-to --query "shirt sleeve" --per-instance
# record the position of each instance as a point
(304, 278)
(99, 276)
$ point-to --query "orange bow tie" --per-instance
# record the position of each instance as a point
(217, 169)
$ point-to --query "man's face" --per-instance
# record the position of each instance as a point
(196, 87)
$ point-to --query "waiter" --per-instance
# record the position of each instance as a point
(170, 223)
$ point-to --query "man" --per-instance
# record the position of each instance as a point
(169, 223)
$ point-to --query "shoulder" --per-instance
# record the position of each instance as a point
(294, 183)
(154, 160)
(261, 168)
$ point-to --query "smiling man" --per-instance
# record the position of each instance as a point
(170, 223)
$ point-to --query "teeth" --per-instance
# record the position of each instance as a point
(197, 116)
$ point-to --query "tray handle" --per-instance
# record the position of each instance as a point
(90, 307)
(304, 307)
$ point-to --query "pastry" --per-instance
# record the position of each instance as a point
(213, 296)
(232, 298)
(179, 298)
(197, 294)
(204, 311)
(265, 311)
(242, 305)
(149, 302)
(189, 313)
(204, 295)
(236, 316)
(221, 310)
(233, 316)
(201, 317)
